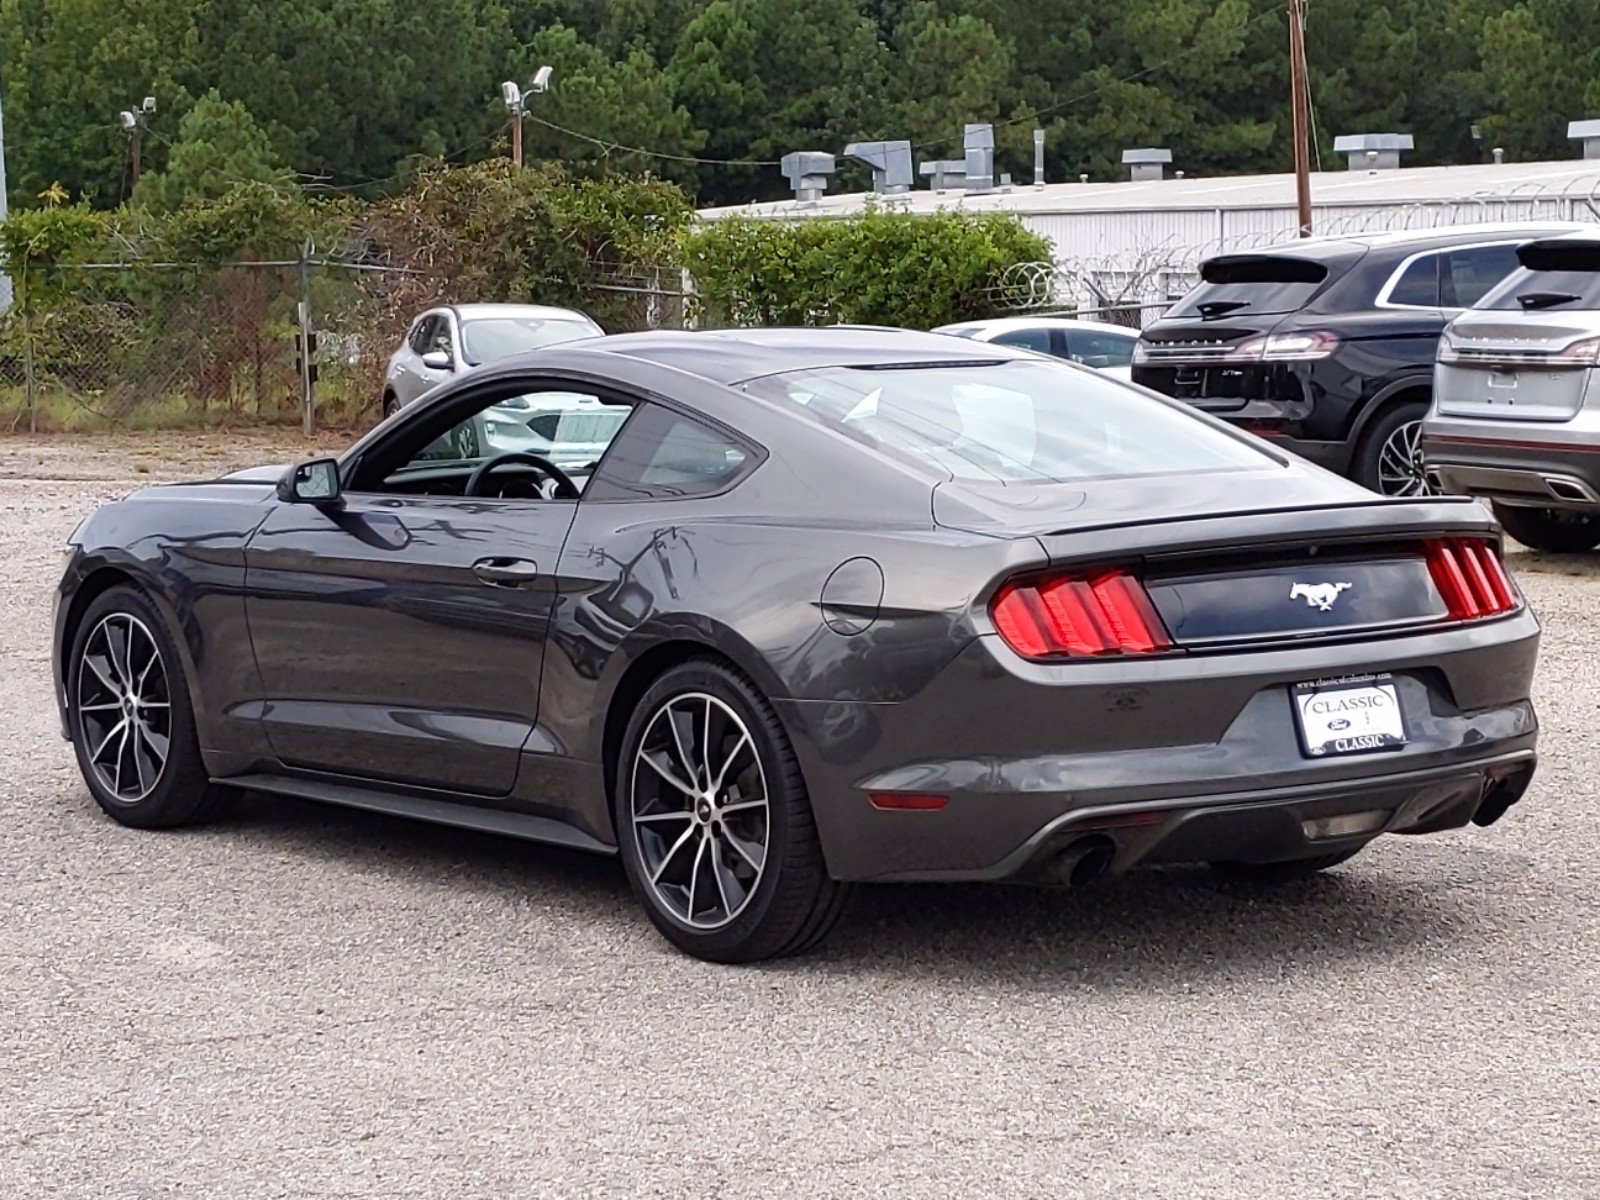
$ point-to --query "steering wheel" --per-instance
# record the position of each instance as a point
(565, 489)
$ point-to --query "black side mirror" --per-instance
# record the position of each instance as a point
(315, 482)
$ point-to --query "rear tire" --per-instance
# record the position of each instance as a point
(1284, 872)
(1389, 459)
(1554, 530)
(723, 855)
(131, 720)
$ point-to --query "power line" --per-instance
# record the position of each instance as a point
(608, 147)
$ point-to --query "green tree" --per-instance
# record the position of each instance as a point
(613, 104)
(219, 146)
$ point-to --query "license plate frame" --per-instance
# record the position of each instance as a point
(1362, 714)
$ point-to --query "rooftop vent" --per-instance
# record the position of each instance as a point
(807, 172)
(978, 142)
(944, 173)
(1373, 151)
(1147, 163)
(890, 163)
(1587, 132)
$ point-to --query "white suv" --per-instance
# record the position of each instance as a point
(1516, 398)
(458, 337)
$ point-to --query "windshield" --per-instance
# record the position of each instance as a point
(1013, 421)
(488, 339)
(1263, 284)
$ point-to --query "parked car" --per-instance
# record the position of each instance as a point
(446, 341)
(1516, 398)
(1096, 344)
(1327, 345)
(835, 605)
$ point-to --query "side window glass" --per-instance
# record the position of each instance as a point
(441, 339)
(421, 334)
(1027, 339)
(1469, 274)
(1093, 348)
(661, 455)
(1419, 286)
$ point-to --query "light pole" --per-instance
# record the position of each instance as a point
(5, 280)
(133, 122)
(516, 102)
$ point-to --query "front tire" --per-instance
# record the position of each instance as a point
(1554, 530)
(1389, 460)
(130, 717)
(1284, 872)
(714, 823)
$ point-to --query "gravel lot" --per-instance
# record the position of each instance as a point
(310, 1002)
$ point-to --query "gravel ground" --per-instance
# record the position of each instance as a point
(311, 1002)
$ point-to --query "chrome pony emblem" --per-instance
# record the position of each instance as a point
(1317, 595)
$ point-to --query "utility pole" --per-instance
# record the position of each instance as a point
(5, 280)
(516, 102)
(1298, 106)
(133, 123)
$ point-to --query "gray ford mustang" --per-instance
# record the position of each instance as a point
(831, 606)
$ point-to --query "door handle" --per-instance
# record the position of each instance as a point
(506, 572)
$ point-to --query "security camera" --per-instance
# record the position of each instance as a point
(541, 80)
(130, 121)
(149, 105)
(512, 95)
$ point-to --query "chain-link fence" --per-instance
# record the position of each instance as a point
(129, 346)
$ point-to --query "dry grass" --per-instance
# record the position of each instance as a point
(157, 456)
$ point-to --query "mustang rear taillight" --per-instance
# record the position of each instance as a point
(1079, 616)
(1471, 578)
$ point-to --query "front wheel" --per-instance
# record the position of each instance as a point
(714, 823)
(130, 718)
(1389, 460)
(1555, 530)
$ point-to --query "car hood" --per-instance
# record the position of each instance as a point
(1026, 509)
(258, 474)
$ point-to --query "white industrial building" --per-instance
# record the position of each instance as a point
(1122, 244)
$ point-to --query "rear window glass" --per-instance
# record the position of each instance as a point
(1570, 290)
(1251, 285)
(1024, 422)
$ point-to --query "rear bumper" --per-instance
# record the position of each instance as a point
(1501, 461)
(1183, 759)
(1277, 824)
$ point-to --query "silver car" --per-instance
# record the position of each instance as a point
(1096, 344)
(445, 341)
(1516, 407)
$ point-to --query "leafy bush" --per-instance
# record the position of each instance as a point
(881, 268)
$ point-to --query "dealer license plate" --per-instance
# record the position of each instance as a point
(1349, 716)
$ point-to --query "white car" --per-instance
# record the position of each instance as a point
(1096, 344)
(445, 341)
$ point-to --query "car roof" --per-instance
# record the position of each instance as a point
(1001, 324)
(1354, 245)
(545, 312)
(730, 356)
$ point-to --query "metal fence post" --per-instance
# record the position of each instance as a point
(30, 385)
(308, 397)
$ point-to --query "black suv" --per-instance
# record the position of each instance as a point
(1326, 346)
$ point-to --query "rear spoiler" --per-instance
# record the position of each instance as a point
(1560, 254)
